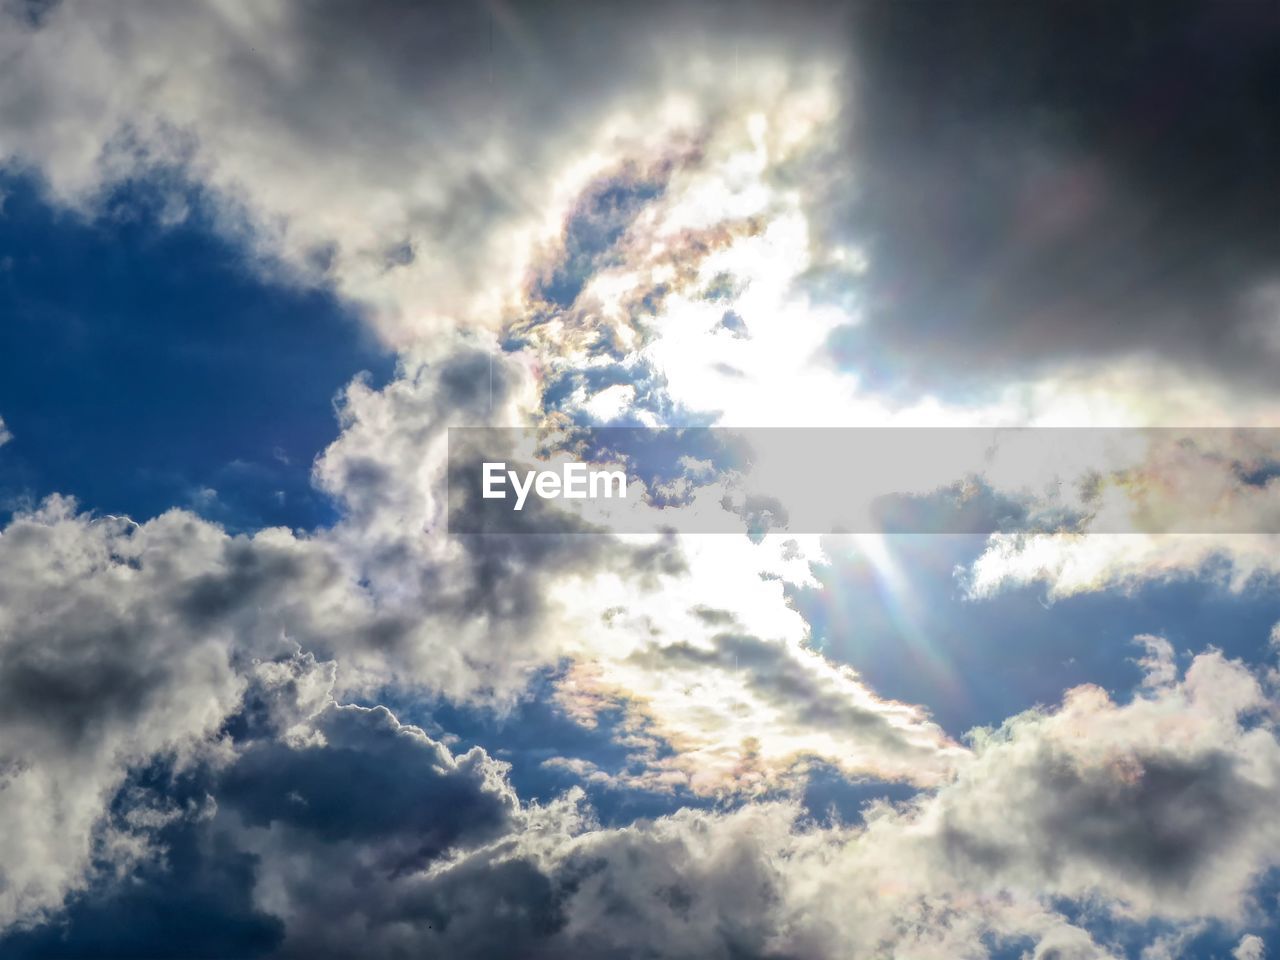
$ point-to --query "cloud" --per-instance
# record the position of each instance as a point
(1022, 214)
(1215, 489)
(1168, 817)
(98, 672)
(121, 644)
(756, 711)
(1158, 808)
(405, 209)
(366, 835)
(1250, 947)
(1078, 563)
(360, 773)
(621, 612)
(126, 643)
(997, 226)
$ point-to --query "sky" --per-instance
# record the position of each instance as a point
(257, 259)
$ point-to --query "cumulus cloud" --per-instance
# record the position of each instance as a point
(407, 209)
(121, 643)
(1167, 818)
(125, 642)
(370, 836)
(1022, 213)
(1216, 490)
(1158, 808)
(1069, 564)
(629, 614)
(99, 670)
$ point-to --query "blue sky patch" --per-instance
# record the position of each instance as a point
(144, 366)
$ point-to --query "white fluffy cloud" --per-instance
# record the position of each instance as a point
(644, 620)
(412, 169)
(1078, 563)
(121, 643)
(100, 669)
(1158, 808)
(1214, 489)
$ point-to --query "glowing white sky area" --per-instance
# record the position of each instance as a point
(759, 246)
(657, 657)
(782, 373)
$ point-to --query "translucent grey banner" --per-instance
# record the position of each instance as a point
(863, 480)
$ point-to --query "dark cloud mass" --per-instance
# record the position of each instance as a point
(371, 778)
(1040, 183)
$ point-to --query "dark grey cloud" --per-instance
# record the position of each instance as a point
(339, 831)
(192, 898)
(618, 894)
(372, 777)
(1099, 796)
(1063, 182)
(1160, 824)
